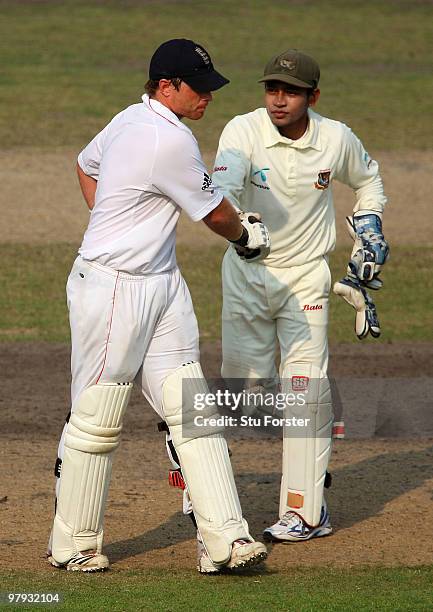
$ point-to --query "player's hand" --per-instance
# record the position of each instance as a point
(257, 243)
(370, 250)
(366, 321)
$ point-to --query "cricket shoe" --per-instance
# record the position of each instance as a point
(245, 554)
(292, 528)
(86, 561)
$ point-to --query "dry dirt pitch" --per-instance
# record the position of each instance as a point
(381, 498)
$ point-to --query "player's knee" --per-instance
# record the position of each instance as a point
(185, 395)
(95, 424)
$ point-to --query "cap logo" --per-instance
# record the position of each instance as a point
(289, 64)
(203, 55)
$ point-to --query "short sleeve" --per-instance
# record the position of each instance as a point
(233, 162)
(360, 172)
(90, 157)
(179, 173)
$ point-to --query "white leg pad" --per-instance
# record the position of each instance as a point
(205, 463)
(92, 435)
(306, 450)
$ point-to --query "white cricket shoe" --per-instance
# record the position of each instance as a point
(86, 561)
(245, 554)
(292, 528)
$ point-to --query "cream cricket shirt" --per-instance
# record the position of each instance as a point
(148, 167)
(289, 181)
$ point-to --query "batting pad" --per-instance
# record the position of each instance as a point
(205, 463)
(306, 448)
(92, 435)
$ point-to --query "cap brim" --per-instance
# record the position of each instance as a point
(285, 78)
(208, 81)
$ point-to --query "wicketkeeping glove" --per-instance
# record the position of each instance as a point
(370, 250)
(366, 321)
(255, 243)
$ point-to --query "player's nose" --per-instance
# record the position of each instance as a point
(280, 99)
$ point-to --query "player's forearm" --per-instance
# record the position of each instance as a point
(88, 187)
(371, 196)
(224, 220)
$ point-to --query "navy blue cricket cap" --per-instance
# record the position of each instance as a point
(184, 59)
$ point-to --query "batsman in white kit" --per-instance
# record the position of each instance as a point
(280, 162)
(132, 318)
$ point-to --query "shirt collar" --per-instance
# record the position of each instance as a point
(161, 110)
(310, 139)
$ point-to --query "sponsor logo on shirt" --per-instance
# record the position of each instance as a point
(220, 169)
(367, 160)
(323, 179)
(207, 183)
(300, 383)
(260, 175)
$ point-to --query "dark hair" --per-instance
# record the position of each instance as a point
(152, 85)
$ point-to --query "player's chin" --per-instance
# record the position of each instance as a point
(197, 113)
(280, 121)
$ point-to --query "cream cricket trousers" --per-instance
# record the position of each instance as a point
(264, 307)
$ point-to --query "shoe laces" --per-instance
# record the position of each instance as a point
(290, 519)
(241, 542)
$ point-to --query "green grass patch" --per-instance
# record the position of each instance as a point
(33, 305)
(175, 590)
(68, 67)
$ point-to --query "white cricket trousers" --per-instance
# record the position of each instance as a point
(264, 307)
(126, 328)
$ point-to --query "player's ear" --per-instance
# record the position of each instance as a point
(313, 97)
(165, 87)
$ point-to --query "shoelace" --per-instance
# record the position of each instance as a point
(242, 542)
(289, 519)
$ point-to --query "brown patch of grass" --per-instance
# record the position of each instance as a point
(44, 203)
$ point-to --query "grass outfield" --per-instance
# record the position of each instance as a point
(68, 66)
(330, 589)
(33, 278)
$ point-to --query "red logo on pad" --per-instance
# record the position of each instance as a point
(300, 383)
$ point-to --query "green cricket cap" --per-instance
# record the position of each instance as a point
(294, 68)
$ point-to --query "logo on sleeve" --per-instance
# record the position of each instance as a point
(323, 179)
(207, 183)
(220, 169)
(367, 160)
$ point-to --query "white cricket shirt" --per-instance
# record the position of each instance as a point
(289, 181)
(148, 167)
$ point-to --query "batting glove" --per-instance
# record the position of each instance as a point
(255, 242)
(366, 321)
(370, 250)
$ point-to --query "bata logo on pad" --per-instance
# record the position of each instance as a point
(313, 307)
(300, 383)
